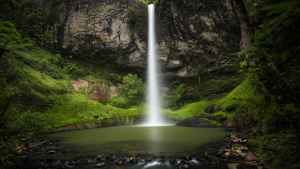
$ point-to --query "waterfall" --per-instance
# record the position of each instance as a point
(154, 118)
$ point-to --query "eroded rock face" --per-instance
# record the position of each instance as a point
(196, 44)
(100, 92)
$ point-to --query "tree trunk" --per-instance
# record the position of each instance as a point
(240, 13)
(1, 55)
(297, 131)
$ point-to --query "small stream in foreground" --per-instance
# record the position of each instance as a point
(155, 142)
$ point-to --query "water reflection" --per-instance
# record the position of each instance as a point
(160, 141)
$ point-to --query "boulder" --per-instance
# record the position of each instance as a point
(219, 118)
(209, 109)
(233, 165)
(100, 165)
(240, 121)
(249, 156)
(229, 123)
(231, 107)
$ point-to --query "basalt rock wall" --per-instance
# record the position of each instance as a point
(194, 42)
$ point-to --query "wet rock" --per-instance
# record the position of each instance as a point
(196, 122)
(231, 107)
(229, 123)
(233, 165)
(172, 161)
(209, 108)
(127, 159)
(188, 157)
(148, 159)
(120, 162)
(240, 121)
(249, 156)
(161, 158)
(206, 154)
(91, 161)
(51, 152)
(202, 115)
(115, 157)
(100, 165)
(24, 157)
(184, 166)
(251, 163)
(228, 145)
(227, 154)
(228, 130)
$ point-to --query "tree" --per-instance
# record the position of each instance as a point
(276, 66)
(10, 40)
(134, 87)
(240, 13)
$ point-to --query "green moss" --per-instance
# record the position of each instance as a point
(122, 101)
(240, 97)
(91, 78)
(82, 89)
(45, 82)
(77, 108)
(190, 110)
(91, 89)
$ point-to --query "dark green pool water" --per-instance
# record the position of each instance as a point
(166, 140)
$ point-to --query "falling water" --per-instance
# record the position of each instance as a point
(154, 118)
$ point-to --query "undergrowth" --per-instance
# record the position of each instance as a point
(77, 108)
(190, 110)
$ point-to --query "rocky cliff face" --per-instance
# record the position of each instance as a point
(194, 43)
(101, 92)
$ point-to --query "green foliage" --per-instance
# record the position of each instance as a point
(132, 14)
(82, 90)
(10, 41)
(122, 101)
(8, 157)
(175, 99)
(91, 89)
(134, 88)
(275, 71)
(239, 98)
(190, 110)
(31, 21)
(77, 108)
(8, 33)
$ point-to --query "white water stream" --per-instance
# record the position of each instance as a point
(154, 115)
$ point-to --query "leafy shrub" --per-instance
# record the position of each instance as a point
(134, 88)
(132, 14)
(175, 99)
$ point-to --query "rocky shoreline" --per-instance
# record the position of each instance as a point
(234, 153)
